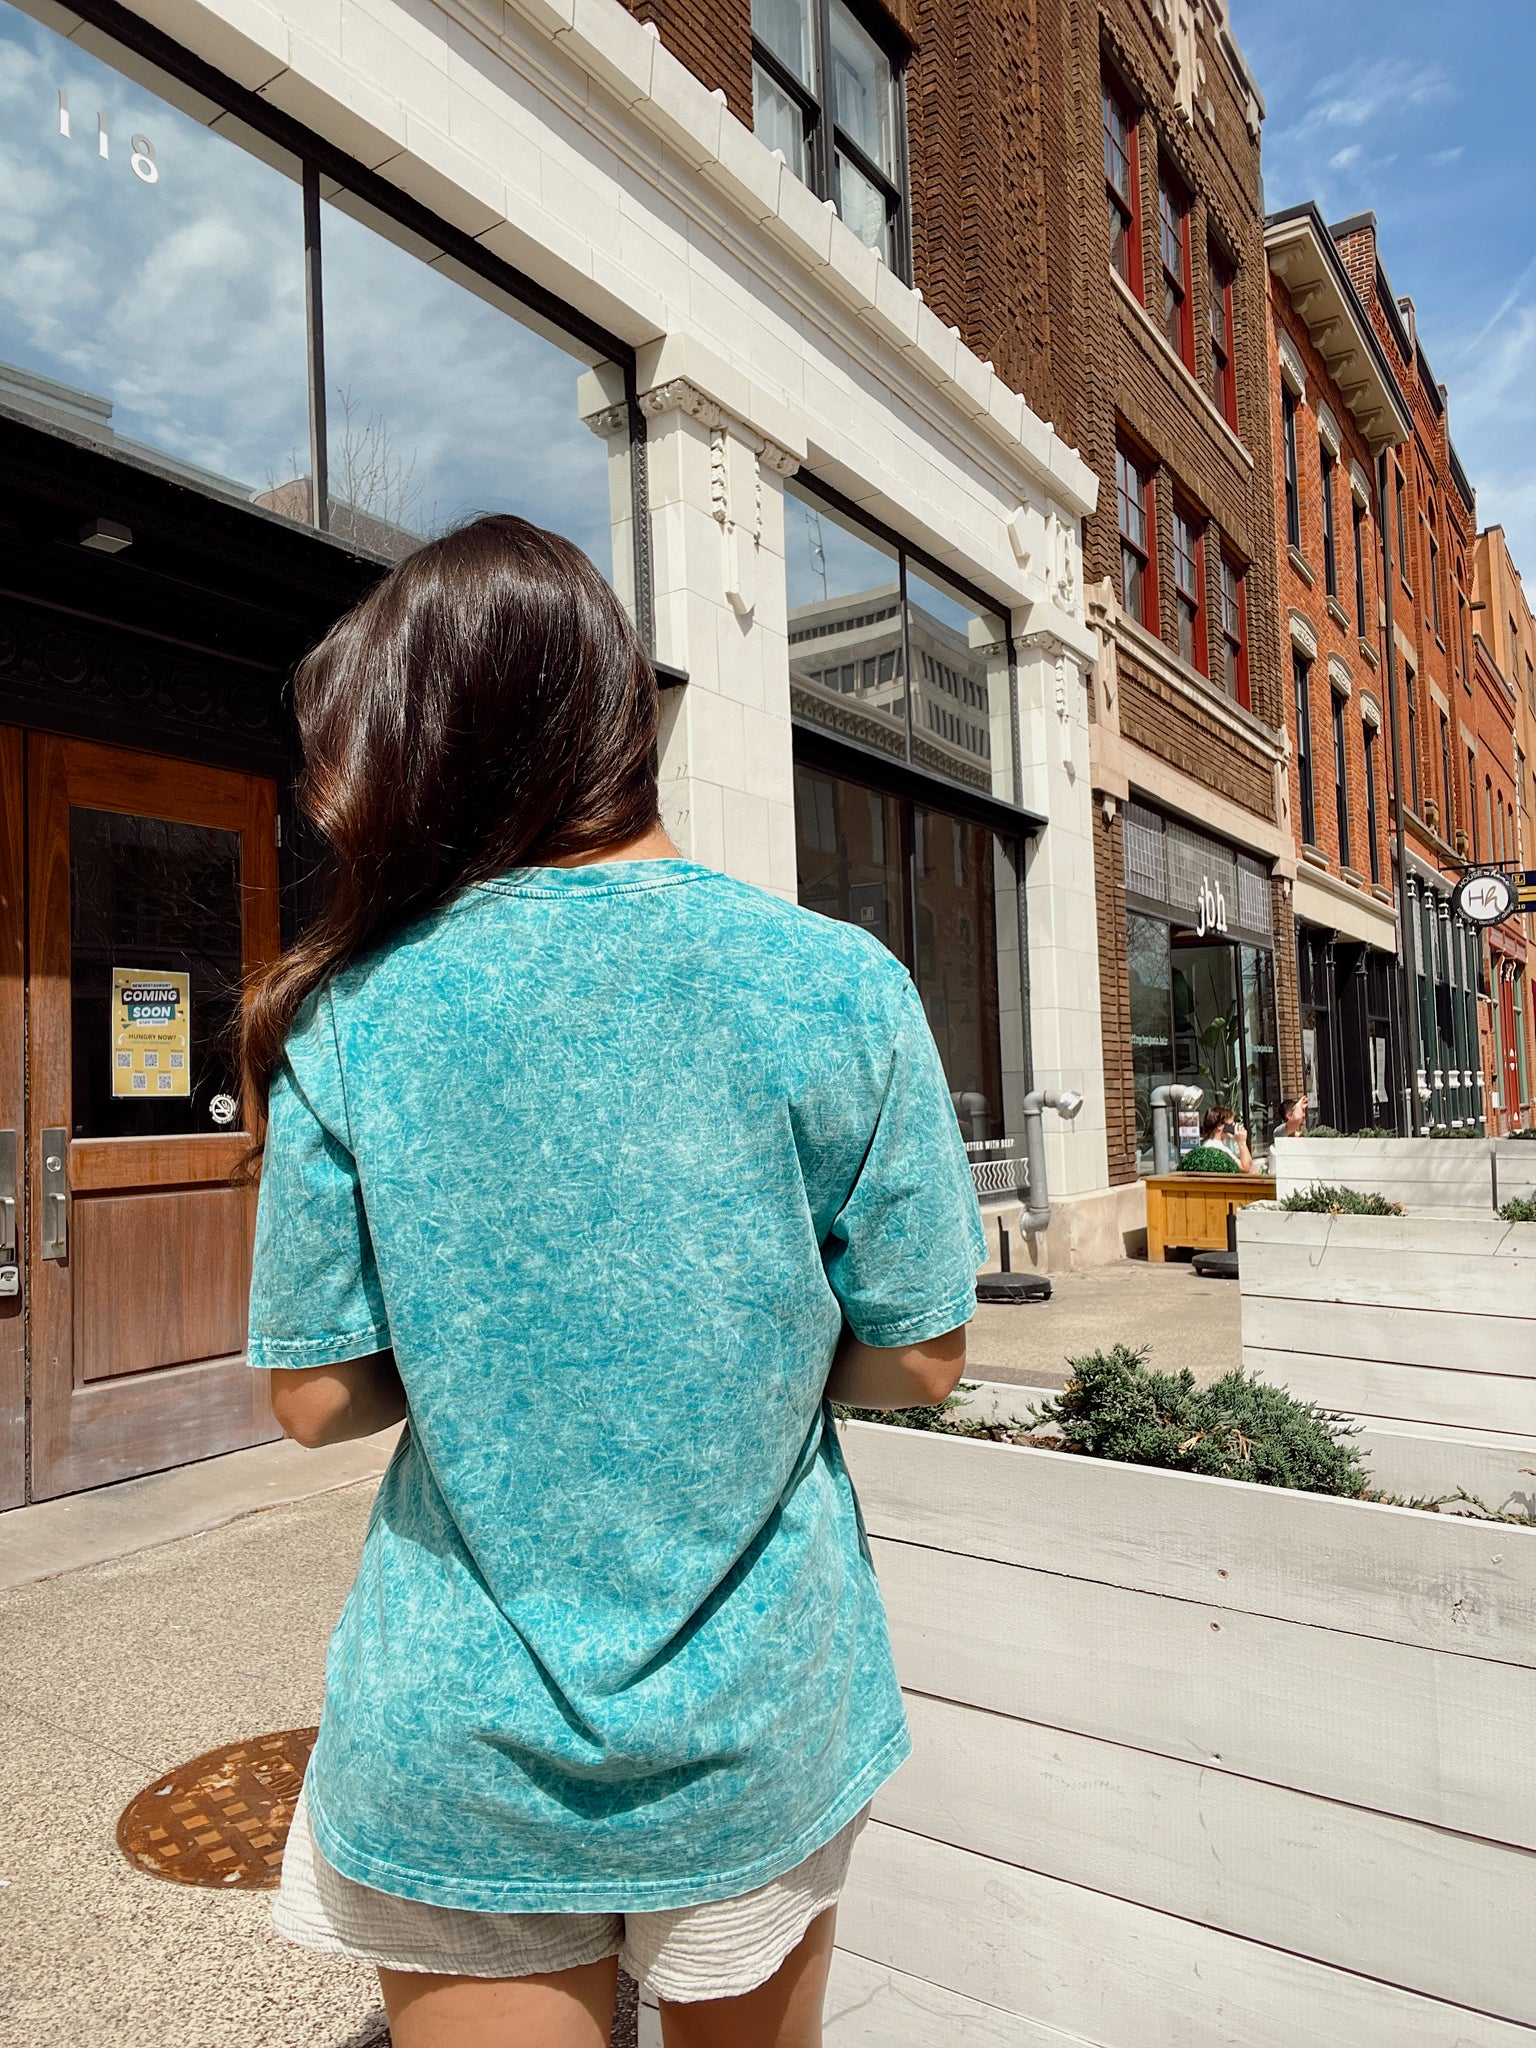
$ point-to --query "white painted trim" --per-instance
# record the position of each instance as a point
(1292, 370)
(1328, 430)
(1360, 486)
(1325, 900)
(1339, 675)
(1370, 711)
(1303, 633)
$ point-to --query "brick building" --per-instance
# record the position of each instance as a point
(1430, 520)
(1336, 406)
(1504, 648)
(1085, 213)
(1157, 286)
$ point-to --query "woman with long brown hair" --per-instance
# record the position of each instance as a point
(603, 1172)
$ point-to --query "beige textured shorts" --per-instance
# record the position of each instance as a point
(718, 1950)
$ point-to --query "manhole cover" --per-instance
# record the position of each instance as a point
(222, 1819)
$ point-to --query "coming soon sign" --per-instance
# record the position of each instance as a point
(151, 1033)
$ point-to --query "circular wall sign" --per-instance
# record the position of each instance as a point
(1483, 899)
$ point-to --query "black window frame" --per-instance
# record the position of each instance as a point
(824, 138)
(1288, 406)
(1445, 775)
(1306, 804)
(1410, 677)
(1341, 774)
(1472, 802)
(1359, 518)
(1328, 464)
(1370, 738)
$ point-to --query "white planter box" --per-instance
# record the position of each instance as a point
(1429, 1322)
(1421, 1173)
(1198, 1764)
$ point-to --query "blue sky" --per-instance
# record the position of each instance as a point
(1421, 113)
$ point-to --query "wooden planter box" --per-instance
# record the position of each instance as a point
(1421, 1173)
(1197, 1763)
(1190, 1210)
(1426, 1321)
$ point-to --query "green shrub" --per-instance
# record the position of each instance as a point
(1373, 1131)
(1521, 1210)
(1208, 1159)
(1114, 1406)
(1321, 1131)
(1325, 1201)
(1466, 1131)
(1522, 1134)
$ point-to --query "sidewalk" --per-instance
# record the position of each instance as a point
(112, 1675)
(1182, 1319)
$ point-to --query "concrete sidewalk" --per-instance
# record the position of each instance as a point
(113, 1675)
(1182, 1319)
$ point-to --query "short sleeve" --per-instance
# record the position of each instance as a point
(315, 1294)
(903, 1251)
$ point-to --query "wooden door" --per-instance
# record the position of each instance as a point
(138, 1245)
(13, 956)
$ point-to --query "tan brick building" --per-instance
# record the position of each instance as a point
(1431, 521)
(1336, 406)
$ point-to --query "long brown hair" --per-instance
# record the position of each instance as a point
(488, 705)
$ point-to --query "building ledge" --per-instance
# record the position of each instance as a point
(1298, 562)
(1188, 682)
(1337, 613)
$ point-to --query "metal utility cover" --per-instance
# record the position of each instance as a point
(222, 1819)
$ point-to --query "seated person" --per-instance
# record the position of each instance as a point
(1218, 1127)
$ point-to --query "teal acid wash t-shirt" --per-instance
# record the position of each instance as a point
(606, 1155)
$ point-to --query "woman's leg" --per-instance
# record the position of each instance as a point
(783, 2013)
(567, 2009)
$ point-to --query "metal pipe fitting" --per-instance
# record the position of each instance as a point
(1066, 1102)
(1174, 1096)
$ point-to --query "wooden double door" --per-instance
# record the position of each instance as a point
(136, 892)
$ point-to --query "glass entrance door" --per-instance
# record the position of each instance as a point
(151, 893)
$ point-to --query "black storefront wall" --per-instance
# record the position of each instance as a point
(1200, 950)
(1350, 1032)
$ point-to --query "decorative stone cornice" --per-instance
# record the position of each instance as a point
(679, 395)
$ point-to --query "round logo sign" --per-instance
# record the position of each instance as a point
(222, 1109)
(1483, 899)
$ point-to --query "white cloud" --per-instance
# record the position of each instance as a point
(1351, 154)
(1442, 157)
(1364, 92)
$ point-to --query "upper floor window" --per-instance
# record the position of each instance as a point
(1472, 803)
(1122, 188)
(1330, 532)
(1410, 697)
(1340, 777)
(1234, 631)
(1301, 677)
(1360, 620)
(1445, 774)
(1188, 584)
(1292, 479)
(1138, 574)
(1371, 828)
(1434, 582)
(1223, 364)
(1173, 239)
(1402, 527)
(826, 92)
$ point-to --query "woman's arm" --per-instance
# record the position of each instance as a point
(901, 1376)
(330, 1404)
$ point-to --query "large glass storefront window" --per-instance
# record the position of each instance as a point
(441, 404)
(1202, 976)
(893, 658)
(153, 295)
(943, 894)
(154, 260)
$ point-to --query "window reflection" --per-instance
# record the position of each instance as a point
(847, 655)
(943, 895)
(961, 702)
(154, 280)
(440, 403)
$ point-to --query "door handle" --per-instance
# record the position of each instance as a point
(7, 1198)
(55, 1190)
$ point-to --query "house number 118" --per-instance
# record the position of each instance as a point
(141, 151)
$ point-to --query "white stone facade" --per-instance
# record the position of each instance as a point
(768, 338)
